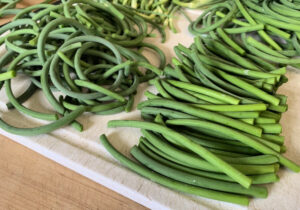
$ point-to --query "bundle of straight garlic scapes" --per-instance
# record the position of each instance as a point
(213, 128)
(85, 50)
(214, 120)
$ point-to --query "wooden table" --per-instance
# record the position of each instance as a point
(31, 181)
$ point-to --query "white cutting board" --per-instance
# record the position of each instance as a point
(83, 152)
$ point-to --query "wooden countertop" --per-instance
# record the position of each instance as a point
(30, 181)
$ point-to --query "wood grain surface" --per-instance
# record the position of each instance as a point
(29, 181)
